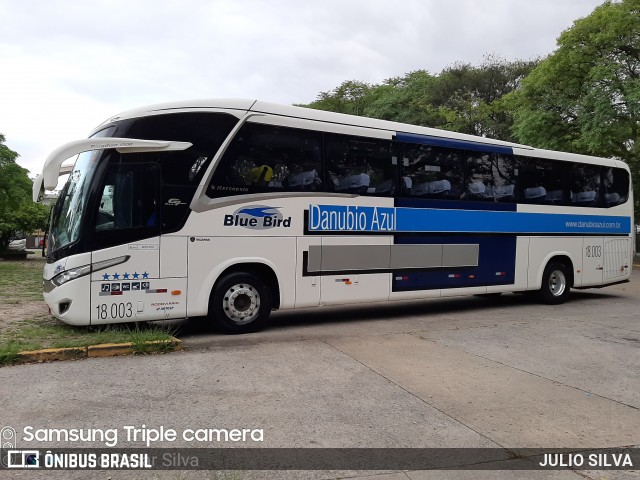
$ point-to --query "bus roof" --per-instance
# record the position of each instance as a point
(253, 105)
(306, 114)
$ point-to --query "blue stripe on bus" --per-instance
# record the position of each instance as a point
(340, 218)
(469, 221)
(496, 265)
(451, 143)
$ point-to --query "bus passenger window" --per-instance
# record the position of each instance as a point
(479, 177)
(542, 181)
(585, 185)
(615, 183)
(359, 165)
(431, 172)
(504, 174)
(267, 158)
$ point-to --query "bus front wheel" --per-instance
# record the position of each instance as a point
(556, 284)
(241, 303)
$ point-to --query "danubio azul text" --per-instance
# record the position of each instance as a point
(342, 218)
(338, 218)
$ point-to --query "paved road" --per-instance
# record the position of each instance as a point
(456, 372)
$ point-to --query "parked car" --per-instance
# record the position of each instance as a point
(20, 244)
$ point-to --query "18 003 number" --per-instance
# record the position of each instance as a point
(593, 251)
(114, 310)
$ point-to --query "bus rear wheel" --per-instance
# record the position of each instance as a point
(556, 284)
(241, 303)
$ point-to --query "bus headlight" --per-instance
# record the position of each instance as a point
(71, 274)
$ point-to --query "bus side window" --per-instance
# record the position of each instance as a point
(431, 172)
(542, 182)
(491, 176)
(505, 174)
(585, 185)
(479, 176)
(265, 158)
(615, 183)
(359, 165)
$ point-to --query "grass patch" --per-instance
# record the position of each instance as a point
(21, 280)
(9, 351)
(35, 335)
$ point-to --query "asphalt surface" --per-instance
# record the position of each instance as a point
(455, 372)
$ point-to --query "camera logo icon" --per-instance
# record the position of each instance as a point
(23, 459)
(11, 457)
(8, 439)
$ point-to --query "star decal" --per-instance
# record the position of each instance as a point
(126, 276)
(105, 276)
(116, 276)
(145, 274)
(136, 275)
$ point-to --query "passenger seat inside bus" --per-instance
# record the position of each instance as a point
(554, 196)
(612, 198)
(303, 180)
(587, 196)
(504, 193)
(479, 190)
(435, 187)
(535, 194)
(358, 183)
(407, 185)
(385, 187)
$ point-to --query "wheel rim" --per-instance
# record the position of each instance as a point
(241, 303)
(557, 283)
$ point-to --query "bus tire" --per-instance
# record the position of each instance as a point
(240, 303)
(556, 284)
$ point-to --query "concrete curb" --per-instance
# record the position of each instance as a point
(95, 351)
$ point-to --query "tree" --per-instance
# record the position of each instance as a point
(409, 99)
(349, 98)
(472, 98)
(585, 97)
(462, 97)
(17, 212)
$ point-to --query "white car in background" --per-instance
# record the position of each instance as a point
(20, 244)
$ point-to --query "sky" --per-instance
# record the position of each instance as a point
(67, 65)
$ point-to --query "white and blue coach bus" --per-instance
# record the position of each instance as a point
(232, 208)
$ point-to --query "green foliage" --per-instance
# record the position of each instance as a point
(473, 96)
(349, 97)
(17, 212)
(461, 98)
(585, 97)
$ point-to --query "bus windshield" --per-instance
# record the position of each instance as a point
(69, 209)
